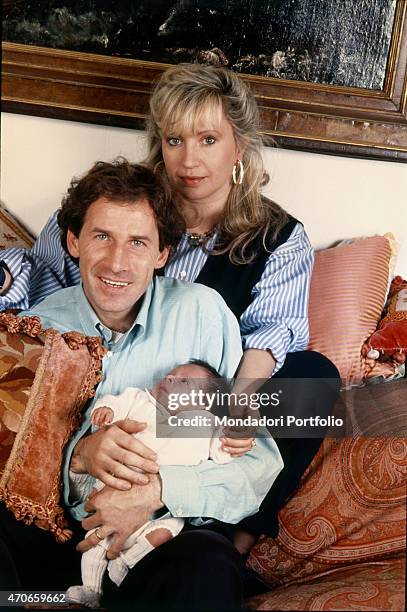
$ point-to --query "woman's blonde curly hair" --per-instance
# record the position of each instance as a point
(181, 96)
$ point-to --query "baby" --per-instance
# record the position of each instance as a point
(173, 447)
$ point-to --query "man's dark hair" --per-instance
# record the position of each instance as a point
(121, 181)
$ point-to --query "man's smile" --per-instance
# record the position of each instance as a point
(112, 283)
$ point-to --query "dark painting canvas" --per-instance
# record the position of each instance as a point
(335, 42)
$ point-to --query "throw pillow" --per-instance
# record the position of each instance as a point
(350, 507)
(347, 295)
(390, 338)
(45, 380)
(12, 232)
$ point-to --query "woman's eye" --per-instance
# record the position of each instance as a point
(173, 141)
(209, 140)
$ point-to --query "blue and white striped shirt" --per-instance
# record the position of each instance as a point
(276, 319)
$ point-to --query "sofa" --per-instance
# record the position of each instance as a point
(342, 538)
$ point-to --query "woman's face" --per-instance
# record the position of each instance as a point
(199, 161)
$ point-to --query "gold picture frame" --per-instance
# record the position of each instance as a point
(300, 115)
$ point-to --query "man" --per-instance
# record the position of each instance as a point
(120, 225)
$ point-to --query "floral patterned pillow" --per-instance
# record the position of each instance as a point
(45, 380)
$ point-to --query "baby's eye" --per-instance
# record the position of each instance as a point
(174, 141)
(184, 380)
(209, 140)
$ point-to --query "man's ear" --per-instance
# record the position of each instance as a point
(162, 258)
(72, 244)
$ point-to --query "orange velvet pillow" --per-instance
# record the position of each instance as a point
(390, 338)
(348, 291)
(45, 379)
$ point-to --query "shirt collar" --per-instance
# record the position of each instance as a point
(91, 323)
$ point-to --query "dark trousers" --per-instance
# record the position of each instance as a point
(199, 569)
(311, 387)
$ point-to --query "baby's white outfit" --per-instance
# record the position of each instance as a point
(173, 447)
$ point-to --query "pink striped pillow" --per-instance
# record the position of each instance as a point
(348, 291)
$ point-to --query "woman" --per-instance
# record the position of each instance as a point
(204, 139)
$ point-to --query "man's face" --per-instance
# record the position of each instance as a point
(118, 251)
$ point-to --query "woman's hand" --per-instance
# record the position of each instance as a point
(255, 368)
(237, 447)
(107, 453)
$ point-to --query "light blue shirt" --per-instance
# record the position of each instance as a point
(177, 322)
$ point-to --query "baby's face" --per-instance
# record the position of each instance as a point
(182, 379)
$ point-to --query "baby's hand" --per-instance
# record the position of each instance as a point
(237, 447)
(102, 416)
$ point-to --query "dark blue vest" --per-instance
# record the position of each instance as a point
(235, 282)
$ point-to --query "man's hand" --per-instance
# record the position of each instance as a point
(106, 454)
(120, 513)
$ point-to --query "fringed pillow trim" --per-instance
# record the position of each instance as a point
(29, 512)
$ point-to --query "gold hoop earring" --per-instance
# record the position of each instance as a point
(238, 165)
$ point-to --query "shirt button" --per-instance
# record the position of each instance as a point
(179, 510)
(109, 353)
(182, 274)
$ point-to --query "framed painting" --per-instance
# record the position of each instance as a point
(329, 75)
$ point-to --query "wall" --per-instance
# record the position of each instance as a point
(335, 197)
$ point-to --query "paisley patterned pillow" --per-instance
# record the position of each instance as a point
(350, 508)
